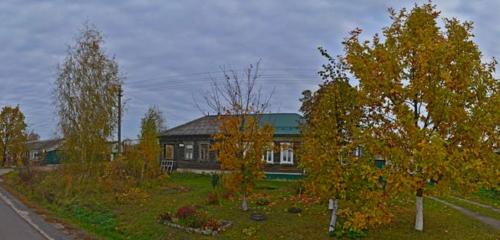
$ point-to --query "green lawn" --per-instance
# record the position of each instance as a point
(103, 217)
(484, 196)
(479, 209)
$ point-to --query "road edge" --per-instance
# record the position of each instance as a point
(24, 215)
(37, 222)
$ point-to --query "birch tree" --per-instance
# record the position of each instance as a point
(429, 97)
(149, 146)
(86, 97)
(330, 154)
(241, 139)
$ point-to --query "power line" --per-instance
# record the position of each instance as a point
(209, 76)
(229, 71)
(179, 85)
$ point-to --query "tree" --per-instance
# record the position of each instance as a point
(12, 135)
(241, 139)
(331, 139)
(149, 146)
(86, 95)
(33, 136)
(429, 100)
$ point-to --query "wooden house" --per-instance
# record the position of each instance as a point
(44, 151)
(188, 145)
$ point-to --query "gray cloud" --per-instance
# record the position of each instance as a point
(166, 48)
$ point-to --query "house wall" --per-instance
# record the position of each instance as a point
(213, 164)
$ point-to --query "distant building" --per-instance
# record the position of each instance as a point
(188, 145)
(44, 151)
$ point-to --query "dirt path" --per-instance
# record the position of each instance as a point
(486, 220)
(494, 209)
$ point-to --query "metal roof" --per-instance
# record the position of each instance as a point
(47, 145)
(283, 124)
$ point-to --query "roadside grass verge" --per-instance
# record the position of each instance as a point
(104, 215)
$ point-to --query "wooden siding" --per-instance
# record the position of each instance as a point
(213, 164)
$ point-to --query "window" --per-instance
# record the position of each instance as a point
(204, 152)
(286, 153)
(168, 152)
(188, 152)
(268, 156)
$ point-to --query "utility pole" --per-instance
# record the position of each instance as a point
(120, 95)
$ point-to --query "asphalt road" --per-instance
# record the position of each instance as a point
(14, 223)
(13, 227)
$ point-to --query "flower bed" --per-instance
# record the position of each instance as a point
(191, 219)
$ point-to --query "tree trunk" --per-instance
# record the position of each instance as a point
(244, 203)
(143, 171)
(333, 219)
(419, 220)
(4, 155)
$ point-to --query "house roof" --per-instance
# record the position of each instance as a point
(283, 124)
(50, 144)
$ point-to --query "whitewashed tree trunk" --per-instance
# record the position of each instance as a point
(333, 205)
(244, 203)
(419, 219)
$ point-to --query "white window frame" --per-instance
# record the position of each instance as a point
(188, 155)
(201, 150)
(286, 158)
(268, 155)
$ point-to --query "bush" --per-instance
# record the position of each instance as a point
(198, 220)
(186, 212)
(212, 224)
(189, 216)
(212, 199)
(228, 195)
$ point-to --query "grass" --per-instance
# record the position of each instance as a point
(482, 210)
(484, 196)
(102, 216)
(440, 222)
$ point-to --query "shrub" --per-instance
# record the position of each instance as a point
(212, 224)
(189, 216)
(132, 195)
(198, 220)
(212, 199)
(228, 195)
(186, 212)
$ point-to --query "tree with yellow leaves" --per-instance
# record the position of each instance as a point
(431, 102)
(13, 135)
(242, 139)
(240, 143)
(86, 96)
(330, 152)
(149, 146)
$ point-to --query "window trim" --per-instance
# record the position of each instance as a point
(289, 151)
(207, 153)
(269, 149)
(185, 151)
(165, 146)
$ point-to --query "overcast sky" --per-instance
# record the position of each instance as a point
(168, 50)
